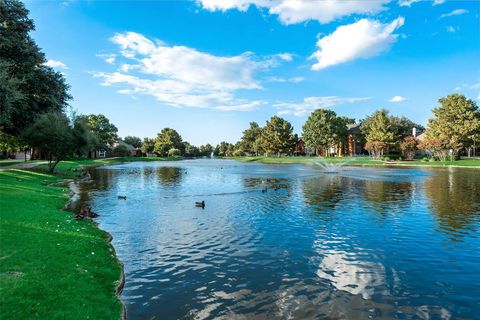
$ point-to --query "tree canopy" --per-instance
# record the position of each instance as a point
(28, 88)
(101, 127)
(277, 136)
(135, 142)
(167, 139)
(324, 129)
(456, 122)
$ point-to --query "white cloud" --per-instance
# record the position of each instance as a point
(397, 99)
(285, 56)
(297, 11)
(362, 39)
(185, 77)
(310, 104)
(282, 80)
(407, 3)
(108, 58)
(452, 29)
(56, 64)
(455, 12)
(468, 86)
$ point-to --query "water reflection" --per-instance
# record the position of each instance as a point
(454, 198)
(355, 245)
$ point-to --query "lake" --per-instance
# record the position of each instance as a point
(383, 243)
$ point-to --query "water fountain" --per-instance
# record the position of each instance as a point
(328, 166)
(212, 156)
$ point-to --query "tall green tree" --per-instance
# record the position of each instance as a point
(324, 129)
(206, 150)
(455, 122)
(52, 133)
(148, 145)
(101, 127)
(277, 136)
(250, 135)
(378, 132)
(190, 150)
(84, 140)
(224, 149)
(402, 127)
(167, 139)
(28, 88)
(135, 142)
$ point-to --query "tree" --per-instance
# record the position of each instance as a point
(456, 122)
(52, 133)
(135, 142)
(206, 150)
(167, 139)
(247, 142)
(148, 145)
(409, 147)
(324, 129)
(101, 127)
(83, 138)
(224, 149)
(277, 136)
(122, 150)
(190, 150)
(402, 127)
(28, 88)
(378, 132)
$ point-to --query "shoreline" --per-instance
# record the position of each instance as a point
(355, 162)
(74, 196)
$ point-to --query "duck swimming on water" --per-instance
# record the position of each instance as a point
(122, 197)
(200, 204)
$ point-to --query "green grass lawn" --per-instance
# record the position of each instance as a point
(360, 161)
(52, 266)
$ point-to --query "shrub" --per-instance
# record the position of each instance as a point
(409, 147)
(173, 152)
(375, 148)
(121, 150)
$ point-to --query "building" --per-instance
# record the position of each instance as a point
(355, 140)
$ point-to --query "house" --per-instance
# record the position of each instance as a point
(355, 140)
(299, 148)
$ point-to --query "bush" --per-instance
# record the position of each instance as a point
(238, 153)
(174, 152)
(121, 150)
(409, 147)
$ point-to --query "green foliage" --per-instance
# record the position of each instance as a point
(121, 150)
(190, 150)
(409, 147)
(9, 143)
(324, 129)
(224, 149)
(52, 133)
(83, 138)
(135, 142)
(378, 127)
(250, 136)
(167, 139)
(277, 137)
(402, 127)
(148, 145)
(456, 122)
(28, 88)
(205, 150)
(101, 127)
(174, 152)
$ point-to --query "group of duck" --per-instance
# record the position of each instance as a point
(85, 213)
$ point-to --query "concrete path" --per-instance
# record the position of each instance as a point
(23, 165)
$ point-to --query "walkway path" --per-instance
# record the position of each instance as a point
(23, 165)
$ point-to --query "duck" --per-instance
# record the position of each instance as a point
(200, 204)
(264, 190)
(122, 197)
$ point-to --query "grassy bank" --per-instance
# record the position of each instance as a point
(52, 266)
(362, 161)
(64, 168)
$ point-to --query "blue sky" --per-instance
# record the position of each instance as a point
(207, 68)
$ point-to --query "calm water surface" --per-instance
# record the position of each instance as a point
(364, 243)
